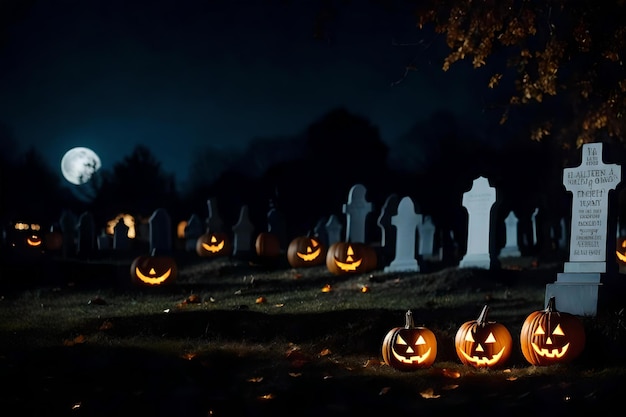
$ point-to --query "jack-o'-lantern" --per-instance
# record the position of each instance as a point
(305, 251)
(153, 270)
(621, 250)
(34, 240)
(483, 344)
(350, 258)
(213, 244)
(267, 246)
(550, 336)
(409, 348)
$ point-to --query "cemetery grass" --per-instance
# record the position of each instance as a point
(239, 338)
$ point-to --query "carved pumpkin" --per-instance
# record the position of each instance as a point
(483, 344)
(305, 251)
(549, 336)
(267, 245)
(153, 270)
(409, 348)
(350, 258)
(34, 240)
(212, 244)
(621, 250)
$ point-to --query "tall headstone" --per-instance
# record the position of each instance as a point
(160, 233)
(387, 229)
(214, 222)
(193, 230)
(576, 288)
(406, 222)
(243, 233)
(121, 241)
(478, 202)
(511, 247)
(356, 210)
(86, 234)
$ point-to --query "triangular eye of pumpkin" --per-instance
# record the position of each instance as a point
(420, 340)
(490, 338)
(469, 337)
(213, 239)
(400, 341)
(152, 271)
(558, 331)
(540, 330)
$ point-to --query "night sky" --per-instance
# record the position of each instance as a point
(182, 75)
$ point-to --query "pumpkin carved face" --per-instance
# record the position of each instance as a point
(549, 336)
(305, 251)
(34, 240)
(346, 258)
(621, 251)
(153, 270)
(409, 348)
(483, 344)
(213, 244)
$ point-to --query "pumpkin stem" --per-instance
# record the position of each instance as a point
(551, 307)
(482, 319)
(409, 320)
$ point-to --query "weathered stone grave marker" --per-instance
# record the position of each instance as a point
(426, 232)
(193, 230)
(576, 288)
(387, 229)
(356, 210)
(511, 247)
(160, 232)
(478, 202)
(406, 222)
(242, 234)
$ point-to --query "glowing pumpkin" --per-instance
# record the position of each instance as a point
(34, 240)
(152, 270)
(213, 244)
(483, 344)
(409, 348)
(350, 258)
(305, 251)
(549, 336)
(621, 250)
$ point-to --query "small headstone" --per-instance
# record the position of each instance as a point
(387, 229)
(160, 235)
(511, 247)
(356, 210)
(193, 230)
(406, 222)
(478, 202)
(576, 289)
(243, 230)
(333, 229)
(104, 242)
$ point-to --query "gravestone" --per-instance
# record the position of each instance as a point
(86, 234)
(276, 224)
(319, 231)
(333, 229)
(406, 222)
(577, 288)
(243, 233)
(121, 241)
(214, 222)
(511, 247)
(193, 230)
(356, 210)
(478, 202)
(104, 242)
(426, 232)
(387, 229)
(160, 232)
(67, 223)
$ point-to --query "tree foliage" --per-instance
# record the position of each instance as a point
(568, 55)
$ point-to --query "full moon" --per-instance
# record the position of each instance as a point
(79, 164)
